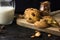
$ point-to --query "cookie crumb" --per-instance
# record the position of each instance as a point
(37, 34)
(32, 36)
(49, 35)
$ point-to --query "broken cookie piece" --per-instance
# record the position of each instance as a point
(41, 24)
(51, 21)
(45, 8)
(37, 34)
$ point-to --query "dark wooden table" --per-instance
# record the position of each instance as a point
(15, 32)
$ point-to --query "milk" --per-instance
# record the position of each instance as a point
(6, 15)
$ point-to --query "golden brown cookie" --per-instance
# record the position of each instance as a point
(51, 21)
(48, 19)
(32, 15)
(41, 24)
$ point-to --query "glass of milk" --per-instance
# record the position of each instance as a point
(6, 15)
(6, 12)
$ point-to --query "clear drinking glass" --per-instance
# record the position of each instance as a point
(7, 8)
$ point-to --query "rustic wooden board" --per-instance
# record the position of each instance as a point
(52, 30)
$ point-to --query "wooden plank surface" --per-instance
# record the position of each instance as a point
(52, 30)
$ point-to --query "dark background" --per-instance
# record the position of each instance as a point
(21, 5)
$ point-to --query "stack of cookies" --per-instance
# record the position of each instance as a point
(40, 18)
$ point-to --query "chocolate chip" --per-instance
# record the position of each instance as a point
(30, 19)
(33, 14)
